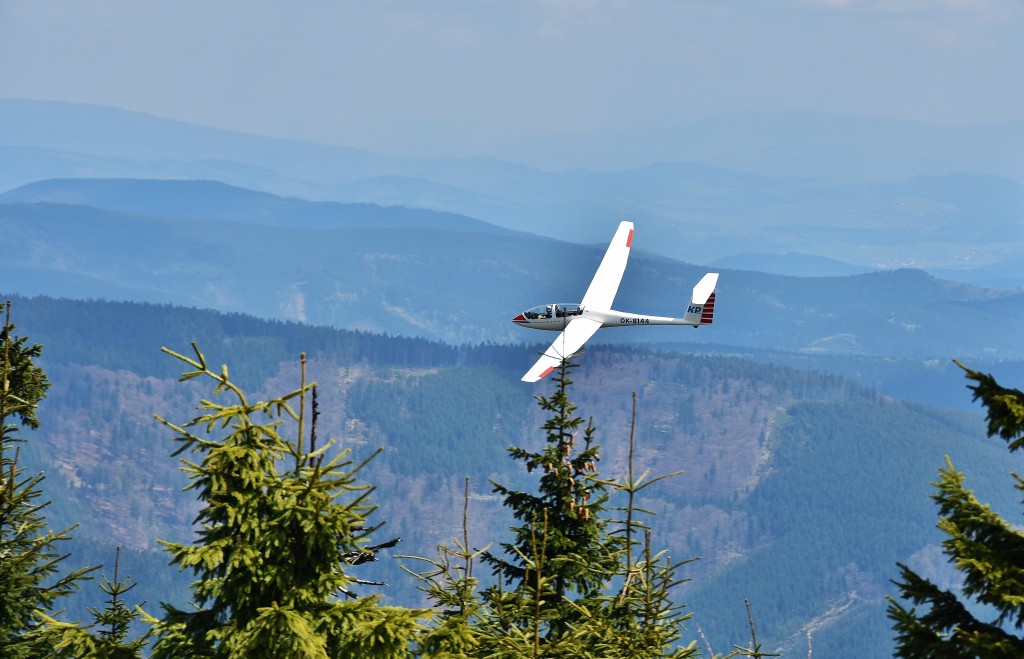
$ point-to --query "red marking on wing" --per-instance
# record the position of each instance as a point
(707, 315)
(629, 239)
(545, 373)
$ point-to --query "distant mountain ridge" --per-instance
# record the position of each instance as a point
(797, 144)
(213, 200)
(940, 197)
(446, 277)
(450, 278)
(792, 264)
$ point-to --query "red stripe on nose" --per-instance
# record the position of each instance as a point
(519, 317)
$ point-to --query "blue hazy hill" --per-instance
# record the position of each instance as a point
(873, 193)
(792, 264)
(213, 200)
(453, 279)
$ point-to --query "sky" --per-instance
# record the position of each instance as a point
(411, 77)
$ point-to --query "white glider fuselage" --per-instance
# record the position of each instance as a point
(539, 318)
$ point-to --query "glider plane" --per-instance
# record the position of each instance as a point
(578, 322)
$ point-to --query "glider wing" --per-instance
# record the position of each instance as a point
(565, 344)
(606, 280)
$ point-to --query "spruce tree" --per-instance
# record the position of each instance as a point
(107, 637)
(986, 617)
(561, 554)
(30, 561)
(281, 528)
(572, 581)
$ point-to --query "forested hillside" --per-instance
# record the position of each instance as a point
(800, 490)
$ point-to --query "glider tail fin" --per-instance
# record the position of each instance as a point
(707, 315)
(702, 304)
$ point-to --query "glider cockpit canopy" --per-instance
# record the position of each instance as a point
(558, 310)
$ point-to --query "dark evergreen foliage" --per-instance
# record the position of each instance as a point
(281, 527)
(32, 577)
(107, 637)
(562, 538)
(79, 331)
(569, 584)
(452, 420)
(985, 616)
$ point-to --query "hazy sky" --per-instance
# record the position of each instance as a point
(436, 76)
